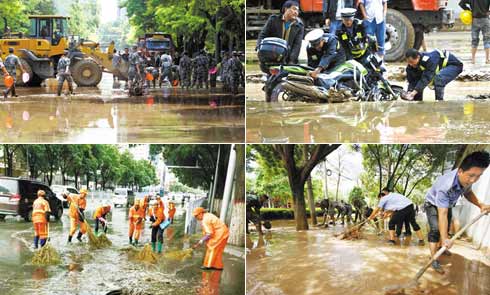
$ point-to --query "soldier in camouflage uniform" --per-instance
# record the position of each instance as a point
(236, 72)
(185, 69)
(11, 63)
(225, 71)
(134, 66)
(64, 72)
(202, 68)
(166, 68)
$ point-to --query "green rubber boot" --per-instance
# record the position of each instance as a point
(160, 246)
(153, 246)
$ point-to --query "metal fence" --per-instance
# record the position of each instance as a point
(191, 224)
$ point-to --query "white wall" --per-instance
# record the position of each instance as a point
(480, 231)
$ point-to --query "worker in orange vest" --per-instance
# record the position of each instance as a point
(215, 236)
(78, 204)
(157, 216)
(100, 217)
(171, 211)
(146, 203)
(136, 216)
(40, 218)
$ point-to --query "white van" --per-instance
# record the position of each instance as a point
(123, 197)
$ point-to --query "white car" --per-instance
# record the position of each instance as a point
(123, 197)
(59, 190)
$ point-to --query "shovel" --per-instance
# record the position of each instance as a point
(355, 227)
(419, 274)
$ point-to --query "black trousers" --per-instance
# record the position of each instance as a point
(433, 220)
(400, 216)
(156, 232)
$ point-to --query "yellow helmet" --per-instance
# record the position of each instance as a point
(83, 191)
(466, 17)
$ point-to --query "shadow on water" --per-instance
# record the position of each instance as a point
(284, 261)
(96, 272)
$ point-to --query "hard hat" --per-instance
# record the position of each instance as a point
(83, 191)
(314, 37)
(466, 17)
(348, 12)
(198, 211)
(107, 206)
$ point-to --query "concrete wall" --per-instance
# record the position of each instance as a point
(480, 231)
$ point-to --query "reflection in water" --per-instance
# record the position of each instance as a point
(389, 122)
(104, 115)
(315, 262)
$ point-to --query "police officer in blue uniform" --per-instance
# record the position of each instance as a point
(434, 69)
(324, 52)
(352, 36)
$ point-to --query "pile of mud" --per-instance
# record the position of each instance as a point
(97, 242)
(47, 255)
(179, 254)
(146, 255)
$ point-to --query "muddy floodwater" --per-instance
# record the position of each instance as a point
(93, 272)
(285, 261)
(458, 118)
(107, 114)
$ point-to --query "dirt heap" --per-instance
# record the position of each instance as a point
(97, 242)
(146, 254)
(47, 255)
(179, 254)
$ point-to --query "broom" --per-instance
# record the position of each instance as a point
(47, 255)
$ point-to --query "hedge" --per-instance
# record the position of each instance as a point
(283, 213)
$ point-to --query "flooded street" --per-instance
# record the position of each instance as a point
(456, 119)
(85, 271)
(285, 261)
(107, 115)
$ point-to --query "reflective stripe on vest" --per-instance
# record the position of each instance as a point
(444, 55)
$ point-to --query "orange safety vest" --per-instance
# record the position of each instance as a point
(76, 201)
(39, 209)
(213, 226)
(134, 214)
(171, 210)
(100, 211)
(158, 214)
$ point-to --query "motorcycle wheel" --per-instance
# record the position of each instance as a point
(386, 96)
(278, 93)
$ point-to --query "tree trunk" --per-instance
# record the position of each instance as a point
(299, 205)
(76, 180)
(311, 200)
(237, 224)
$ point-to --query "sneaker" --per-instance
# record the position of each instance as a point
(437, 267)
(421, 243)
(392, 242)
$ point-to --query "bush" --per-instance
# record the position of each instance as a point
(283, 213)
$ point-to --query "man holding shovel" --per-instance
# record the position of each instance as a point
(100, 217)
(402, 209)
(444, 194)
(136, 216)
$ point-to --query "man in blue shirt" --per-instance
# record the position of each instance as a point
(444, 194)
(402, 209)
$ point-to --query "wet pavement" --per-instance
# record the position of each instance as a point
(93, 272)
(456, 119)
(285, 261)
(108, 115)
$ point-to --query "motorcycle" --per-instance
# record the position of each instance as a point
(349, 81)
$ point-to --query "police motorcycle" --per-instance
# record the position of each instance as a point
(350, 80)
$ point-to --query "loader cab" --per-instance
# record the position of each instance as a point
(51, 28)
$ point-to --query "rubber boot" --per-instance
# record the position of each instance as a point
(153, 246)
(69, 239)
(79, 237)
(130, 240)
(60, 86)
(36, 241)
(43, 242)
(136, 242)
(160, 246)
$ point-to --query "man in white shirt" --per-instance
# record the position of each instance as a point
(374, 20)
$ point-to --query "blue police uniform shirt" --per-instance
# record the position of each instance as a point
(394, 202)
(446, 191)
